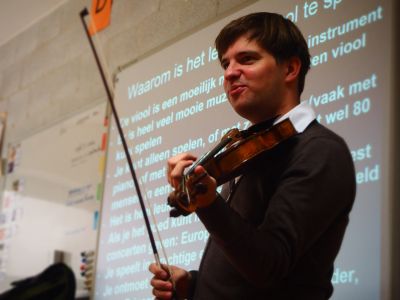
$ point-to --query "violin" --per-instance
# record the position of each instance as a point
(227, 160)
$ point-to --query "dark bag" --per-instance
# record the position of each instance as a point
(57, 282)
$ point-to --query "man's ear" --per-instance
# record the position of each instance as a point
(293, 66)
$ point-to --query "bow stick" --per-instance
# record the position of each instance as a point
(83, 13)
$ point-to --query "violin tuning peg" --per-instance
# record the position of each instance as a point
(177, 212)
(174, 213)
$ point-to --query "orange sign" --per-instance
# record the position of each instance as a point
(100, 15)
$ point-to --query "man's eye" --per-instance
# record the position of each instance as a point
(224, 65)
(247, 59)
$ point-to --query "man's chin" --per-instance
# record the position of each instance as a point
(246, 113)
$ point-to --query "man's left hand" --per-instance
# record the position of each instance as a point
(202, 187)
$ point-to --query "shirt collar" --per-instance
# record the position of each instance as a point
(301, 116)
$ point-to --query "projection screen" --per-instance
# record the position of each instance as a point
(173, 102)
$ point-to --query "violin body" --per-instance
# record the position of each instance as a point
(228, 160)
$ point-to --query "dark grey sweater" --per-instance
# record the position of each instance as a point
(278, 236)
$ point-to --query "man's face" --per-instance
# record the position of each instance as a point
(253, 81)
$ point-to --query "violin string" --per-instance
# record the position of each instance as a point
(185, 187)
(103, 61)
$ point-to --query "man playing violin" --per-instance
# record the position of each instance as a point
(276, 229)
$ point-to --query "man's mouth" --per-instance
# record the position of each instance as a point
(236, 90)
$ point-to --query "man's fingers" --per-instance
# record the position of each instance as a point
(183, 156)
(159, 273)
(176, 173)
(162, 295)
(200, 170)
(202, 187)
(161, 285)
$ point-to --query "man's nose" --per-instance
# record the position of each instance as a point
(232, 72)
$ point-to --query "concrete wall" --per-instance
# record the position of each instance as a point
(48, 73)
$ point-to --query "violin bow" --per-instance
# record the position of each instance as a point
(84, 13)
